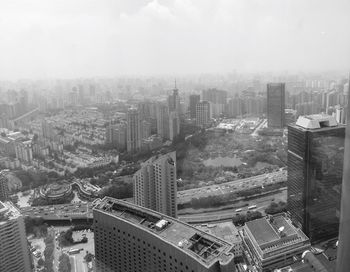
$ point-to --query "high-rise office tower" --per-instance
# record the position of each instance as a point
(136, 239)
(163, 121)
(275, 105)
(194, 99)
(155, 184)
(174, 125)
(133, 131)
(217, 99)
(174, 101)
(14, 253)
(315, 165)
(4, 190)
(343, 254)
(203, 113)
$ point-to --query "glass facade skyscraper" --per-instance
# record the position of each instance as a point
(315, 165)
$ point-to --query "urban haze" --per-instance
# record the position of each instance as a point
(174, 136)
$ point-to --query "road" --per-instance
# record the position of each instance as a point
(60, 212)
(255, 132)
(84, 210)
(222, 215)
(232, 186)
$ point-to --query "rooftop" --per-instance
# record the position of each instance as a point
(225, 230)
(273, 233)
(316, 121)
(205, 247)
(8, 212)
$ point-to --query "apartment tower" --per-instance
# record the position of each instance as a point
(155, 184)
(14, 253)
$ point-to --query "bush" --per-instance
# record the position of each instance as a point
(274, 207)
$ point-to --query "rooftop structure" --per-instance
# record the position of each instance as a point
(316, 121)
(175, 242)
(226, 231)
(273, 241)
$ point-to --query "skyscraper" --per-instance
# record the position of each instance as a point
(132, 238)
(194, 99)
(315, 165)
(217, 99)
(203, 113)
(163, 121)
(14, 253)
(116, 135)
(174, 125)
(3, 187)
(155, 184)
(343, 254)
(174, 101)
(133, 131)
(275, 105)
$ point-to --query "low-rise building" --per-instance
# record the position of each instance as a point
(273, 242)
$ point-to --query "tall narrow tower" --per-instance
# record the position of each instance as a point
(275, 105)
(133, 131)
(343, 256)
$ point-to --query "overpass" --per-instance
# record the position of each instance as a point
(61, 212)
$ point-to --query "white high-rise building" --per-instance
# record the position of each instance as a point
(155, 184)
(203, 113)
(14, 253)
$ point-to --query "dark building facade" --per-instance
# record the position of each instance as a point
(194, 99)
(275, 105)
(315, 165)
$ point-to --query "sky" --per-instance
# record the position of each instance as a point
(87, 38)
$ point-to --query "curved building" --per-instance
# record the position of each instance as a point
(130, 238)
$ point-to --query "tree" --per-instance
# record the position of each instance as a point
(274, 207)
(64, 263)
(41, 262)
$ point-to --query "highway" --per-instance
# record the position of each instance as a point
(60, 212)
(225, 215)
(84, 210)
(232, 186)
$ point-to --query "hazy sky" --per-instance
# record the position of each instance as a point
(82, 38)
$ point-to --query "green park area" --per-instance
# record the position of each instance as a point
(208, 158)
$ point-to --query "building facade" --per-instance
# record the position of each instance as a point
(133, 132)
(13, 247)
(4, 189)
(130, 238)
(275, 105)
(203, 113)
(217, 99)
(194, 99)
(155, 184)
(315, 166)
